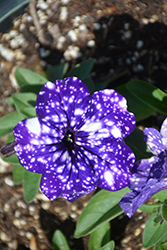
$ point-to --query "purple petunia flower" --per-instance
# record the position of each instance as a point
(149, 176)
(76, 142)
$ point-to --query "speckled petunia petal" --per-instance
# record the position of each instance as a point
(154, 140)
(149, 176)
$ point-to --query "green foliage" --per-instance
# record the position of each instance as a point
(82, 70)
(149, 94)
(103, 207)
(153, 232)
(135, 105)
(57, 72)
(136, 142)
(18, 173)
(31, 183)
(162, 195)
(29, 81)
(109, 246)
(59, 241)
(100, 237)
(8, 122)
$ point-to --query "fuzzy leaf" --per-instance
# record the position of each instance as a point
(149, 94)
(100, 237)
(101, 208)
(59, 241)
(153, 233)
(31, 182)
(81, 70)
(8, 122)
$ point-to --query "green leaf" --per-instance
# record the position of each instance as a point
(18, 171)
(140, 109)
(153, 233)
(149, 208)
(8, 122)
(27, 77)
(8, 8)
(89, 83)
(31, 182)
(162, 243)
(149, 94)
(102, 208)
(162, 195)
(24, 100)
(136, 142)
(101, 85)
(164, 212)
(13, 159)
(81, 70)
(57, 72)
(28, 112)
(109, 246)
(162, 246)
(59, 241)
(100, 237)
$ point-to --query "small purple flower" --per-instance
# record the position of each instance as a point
(149, 176)
(76, 142)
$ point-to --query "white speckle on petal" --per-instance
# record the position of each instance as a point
(78, 112)
(33, 126)
(115, 132)
(109, 177)
(50, 85)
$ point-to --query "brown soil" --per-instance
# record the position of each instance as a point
(128, 39)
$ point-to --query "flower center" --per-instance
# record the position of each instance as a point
(69, 140)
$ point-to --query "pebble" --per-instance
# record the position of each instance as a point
(17, 223)
(6, 207)
(76, 21)
(139, 44)
(31, 209)
(127, 34)
(137, 231)
(63, 13)
(54, 30)
(91, 43)
(73, 215)
(42, 197)
(126, 26)
(29, 19)
(97, 26)
(29, 235)
(72, 35)
(145, 20)
(82, 27)
(42, 5)
(22, 26)
(9, 181)
(126, 240)
(65, 1)
(17, 213)
(6, 53)
(73, 207)
(45, 205)
(138, 68)
(128, 61)
(44, 53)
(13, 33)
(21, 204)
(17, 42)
(23, 222)
(4, 237)
(16, 23)
(72, 52)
